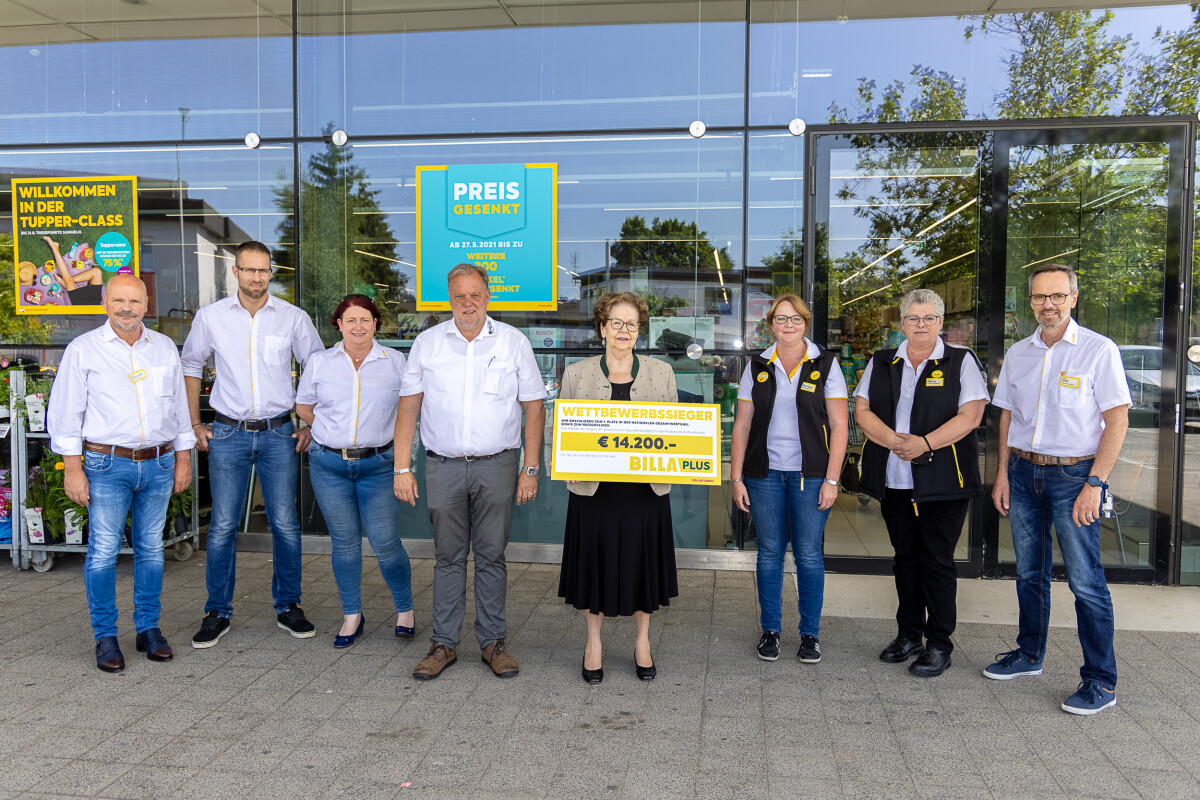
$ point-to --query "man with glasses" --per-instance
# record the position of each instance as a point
(919, 406)
(1065, 406)
(254, 336)
(469, 379)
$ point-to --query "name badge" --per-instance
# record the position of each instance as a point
(138, 376)
(1069, 382)
(934, 381)
(808, 387)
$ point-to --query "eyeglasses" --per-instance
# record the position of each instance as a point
(1057, 298)
(254, 273)
(929, 319)
(783, 319)
(622, 325)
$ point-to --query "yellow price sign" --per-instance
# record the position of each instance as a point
(624, 443)
(637, 442)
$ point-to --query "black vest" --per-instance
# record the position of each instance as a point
(811, 415)
(954, 472)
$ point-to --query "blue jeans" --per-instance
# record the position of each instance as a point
(357, 497)
(231, 453)
(1039, 496)
(117, 486)
(784, 508)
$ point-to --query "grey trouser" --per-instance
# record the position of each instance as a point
(470, 506)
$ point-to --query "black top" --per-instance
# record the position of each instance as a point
(620, 391)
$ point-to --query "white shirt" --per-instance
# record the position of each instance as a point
(783, 444)
(473, 390)
(1056, 394)
(971, 386)
(353, 408)
(109, 392)
(253, 354)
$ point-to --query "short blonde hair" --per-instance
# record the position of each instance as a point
(797, 303)
(609, 300)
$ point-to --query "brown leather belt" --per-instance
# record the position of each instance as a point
(140, 454)
(1052, 461)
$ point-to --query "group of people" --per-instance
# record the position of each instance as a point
(129, 405)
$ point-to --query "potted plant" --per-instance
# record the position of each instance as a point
(179, 513)
(62, 518)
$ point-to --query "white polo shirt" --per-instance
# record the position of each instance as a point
(109, 392)
(352, 408)
(253, 355)
(472, 390)
(971, 386)
(783, 444)
(1056, 394)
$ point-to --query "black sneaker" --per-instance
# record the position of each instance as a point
(294, 622)
(810, 649)
(212, 628)
(768, 646)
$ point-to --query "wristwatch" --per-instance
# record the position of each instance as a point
(1094, 480)
(831, 481)
(530, 471)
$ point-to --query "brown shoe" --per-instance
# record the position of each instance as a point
(438, 659)
(496, 656)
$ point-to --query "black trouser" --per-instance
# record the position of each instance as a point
(926, 577)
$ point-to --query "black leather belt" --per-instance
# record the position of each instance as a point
(461, 458)
(355, 453)
(255, 425)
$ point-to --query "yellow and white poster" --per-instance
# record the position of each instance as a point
(72, 236)
(597, 440)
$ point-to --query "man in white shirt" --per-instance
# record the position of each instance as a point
(254, 337)
(469, 379)
(119, 401)
(1066, 409)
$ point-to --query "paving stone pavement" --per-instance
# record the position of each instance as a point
(263, 715)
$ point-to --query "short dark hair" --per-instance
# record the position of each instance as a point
(607, 301)
(351, 300)
(250, 247)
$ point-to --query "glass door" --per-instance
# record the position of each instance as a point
(893, 213)
(1106, 202)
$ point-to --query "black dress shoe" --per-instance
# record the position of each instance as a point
(644, 673)
(592, 675)
(108, 654)
(932, 662)
(152, 643)
(900, 650)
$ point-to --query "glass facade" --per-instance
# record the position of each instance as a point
(848, 157)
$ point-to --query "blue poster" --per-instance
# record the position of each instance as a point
(503, 217)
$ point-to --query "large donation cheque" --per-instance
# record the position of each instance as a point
(596, 440)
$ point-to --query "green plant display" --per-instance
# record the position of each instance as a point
(47, 492)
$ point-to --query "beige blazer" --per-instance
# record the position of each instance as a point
(583, 380)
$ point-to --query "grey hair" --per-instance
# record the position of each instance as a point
(1044, 268)
(922, 297)
(467, 269)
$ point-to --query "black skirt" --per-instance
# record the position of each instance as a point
(619, 551)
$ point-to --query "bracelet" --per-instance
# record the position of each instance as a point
(927, 444)
(831, 481)
(735, 480)
(198, 424)
(402, 471)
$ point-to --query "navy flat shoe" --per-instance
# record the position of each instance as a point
(345, 641)
(406, 633)
(152, 643)
(108, 654)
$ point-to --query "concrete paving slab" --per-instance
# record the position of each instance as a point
(264, 715)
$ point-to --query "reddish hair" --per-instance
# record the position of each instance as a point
(350, 300)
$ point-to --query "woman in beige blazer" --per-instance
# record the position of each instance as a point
(619, 547)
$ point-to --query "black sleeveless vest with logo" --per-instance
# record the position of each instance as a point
(813, 418)
(954, 472)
